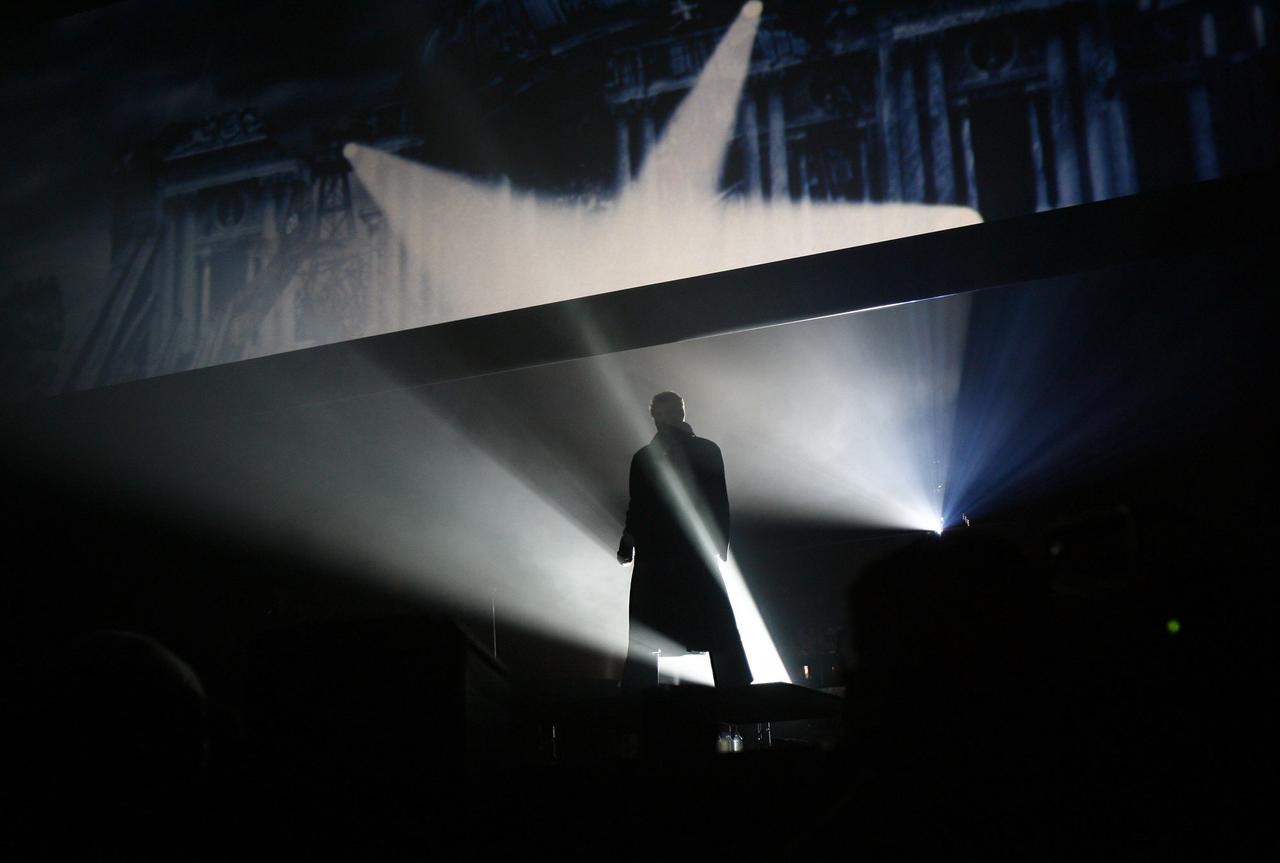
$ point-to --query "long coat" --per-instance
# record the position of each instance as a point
(679, 521)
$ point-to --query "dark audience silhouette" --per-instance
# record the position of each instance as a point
(992, 715)
(109, 751)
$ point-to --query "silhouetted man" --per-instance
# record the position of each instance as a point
(677, 524)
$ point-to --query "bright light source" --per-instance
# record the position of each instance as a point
(752, 9)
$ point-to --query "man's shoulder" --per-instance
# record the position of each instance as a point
(644, 454)
(689, 443)
(704, 447)
(704, 442)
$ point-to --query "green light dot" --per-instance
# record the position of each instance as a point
(1174, 626)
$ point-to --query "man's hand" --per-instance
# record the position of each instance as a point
(626, 549)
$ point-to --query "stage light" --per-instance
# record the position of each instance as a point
(1173, 626)
(753, 9)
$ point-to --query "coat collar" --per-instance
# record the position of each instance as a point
(674, 432)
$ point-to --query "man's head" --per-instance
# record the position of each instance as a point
(667, 409)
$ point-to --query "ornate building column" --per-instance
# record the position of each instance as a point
(864, 165)
(622, 159)
(1200, 116)
(188, 286)
(1066, 159)
(910, 145)
(164, 286)
(779, 180)
(270, 246)
(970, 166)
(204, 306)
(886, 114)
(1199, 113)
(1111, 168)
(1258, 24)
(650, 132)
(1125, 175)
(1037, 155)
(944, 172)
(805, 195)
(1095, 131)
(749, 125)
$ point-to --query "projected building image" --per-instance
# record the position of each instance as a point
(519, 156)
